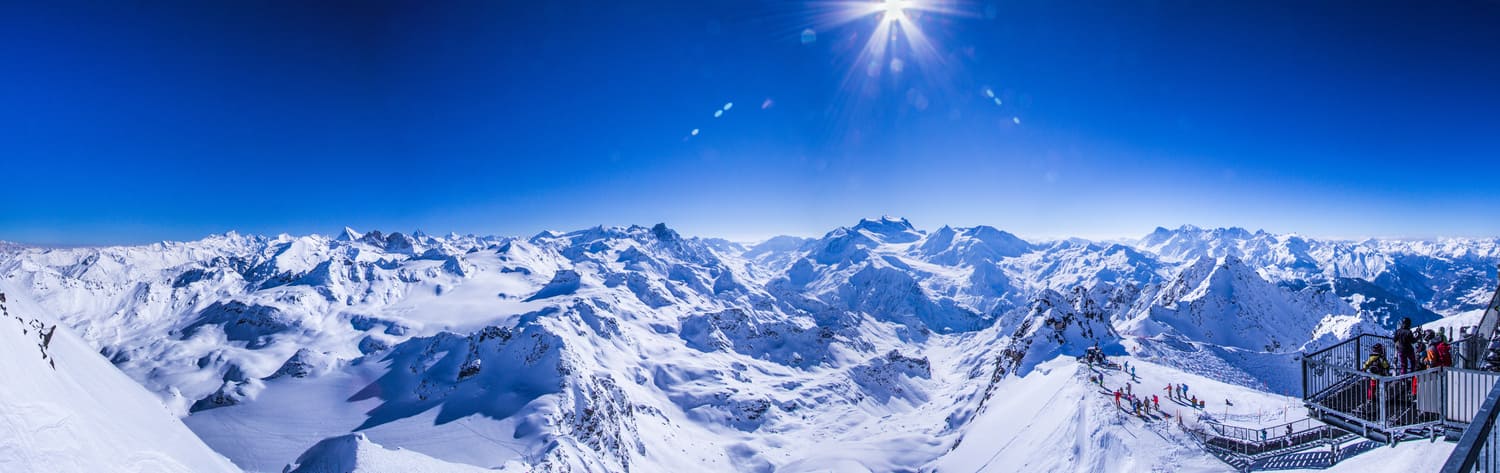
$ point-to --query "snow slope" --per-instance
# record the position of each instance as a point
(354, 453)
(1055, 420)
(66, 409)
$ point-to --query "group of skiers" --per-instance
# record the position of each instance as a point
(1139, 406)
(1125, 398)
(1180, 393)
(1416, 349)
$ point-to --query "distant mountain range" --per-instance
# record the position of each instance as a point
(638, 348)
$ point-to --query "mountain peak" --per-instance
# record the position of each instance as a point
(889, 229)
(664, 234)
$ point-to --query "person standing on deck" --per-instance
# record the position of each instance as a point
(1378, 366)
(1406, 355)
(1442, 354)
(1419, 349)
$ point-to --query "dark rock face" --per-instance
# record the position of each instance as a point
(252, 324)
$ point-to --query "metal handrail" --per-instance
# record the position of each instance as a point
(1466, 455)
(1354, 339)
(1244, 442)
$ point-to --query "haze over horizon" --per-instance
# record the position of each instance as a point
(1034, 238)
(135, 122)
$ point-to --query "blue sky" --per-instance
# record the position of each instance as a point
(140, 121)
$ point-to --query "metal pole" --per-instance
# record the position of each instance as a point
(1383, 420)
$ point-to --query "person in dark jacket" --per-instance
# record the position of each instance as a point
(1420, 349)
(1405, 351)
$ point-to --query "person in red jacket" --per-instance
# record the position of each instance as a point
(1156, 401)
(1442, 353)
(1117, 397)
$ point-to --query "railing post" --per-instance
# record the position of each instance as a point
(1384, 422)
(1305, 374)
(1359, 341)
(1442, 391)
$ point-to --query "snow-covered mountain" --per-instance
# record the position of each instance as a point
(639, 349)
(63, 408)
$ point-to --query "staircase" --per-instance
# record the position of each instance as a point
(1293, 444)
(1486, 332)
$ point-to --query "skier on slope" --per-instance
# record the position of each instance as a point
(1156, 401)
(1169, 390)
(1405, 351)
(1117, 397)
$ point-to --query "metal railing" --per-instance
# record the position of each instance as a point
(1466, 391)
(1479, 448)
(1337, 389)
(1320, 369)
(1255, 444)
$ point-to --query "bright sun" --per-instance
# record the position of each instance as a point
(895, 10)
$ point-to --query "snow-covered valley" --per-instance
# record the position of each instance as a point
(876, 347)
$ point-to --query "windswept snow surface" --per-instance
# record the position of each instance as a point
(875, 347)
(353, 453)
(66, 409)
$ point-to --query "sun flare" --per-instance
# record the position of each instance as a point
(895, 10)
